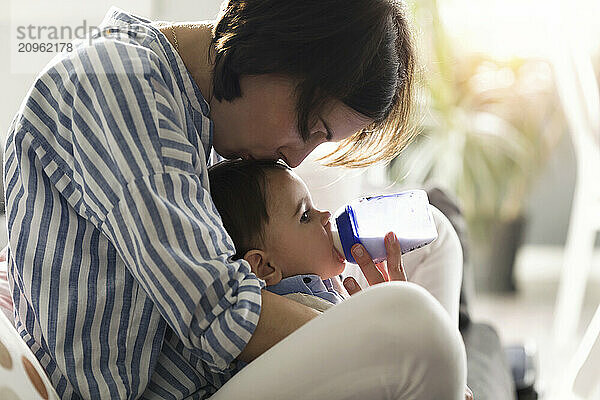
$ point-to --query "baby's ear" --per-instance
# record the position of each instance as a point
(261, 268)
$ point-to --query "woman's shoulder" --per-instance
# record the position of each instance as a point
(122, 45)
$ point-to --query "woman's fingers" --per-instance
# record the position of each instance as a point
(351, 285)
(377, 273)
(365, 262)
(394, 258)
(382, 268)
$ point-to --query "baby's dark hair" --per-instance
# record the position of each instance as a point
(238, 190)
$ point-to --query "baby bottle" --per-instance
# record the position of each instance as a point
(367, 220)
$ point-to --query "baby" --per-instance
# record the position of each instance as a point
(268, 212)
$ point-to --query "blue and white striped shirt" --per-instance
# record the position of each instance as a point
(120, 267)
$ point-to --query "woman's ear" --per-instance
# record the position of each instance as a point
(259, 264)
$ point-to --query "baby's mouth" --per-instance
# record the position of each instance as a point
(338, 256)
(341, 258)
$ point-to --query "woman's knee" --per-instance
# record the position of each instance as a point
(404, 309)
(411, 331)
(447, 236)
(448, 246)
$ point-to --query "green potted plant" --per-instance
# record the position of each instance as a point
(487, 129)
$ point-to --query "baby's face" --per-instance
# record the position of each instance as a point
(298, 237)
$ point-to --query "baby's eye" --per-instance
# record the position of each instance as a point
(305, 217)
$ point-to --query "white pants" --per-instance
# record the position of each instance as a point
(390, 341)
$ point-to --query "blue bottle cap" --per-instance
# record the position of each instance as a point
(347, 231)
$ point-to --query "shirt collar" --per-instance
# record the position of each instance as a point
(312, 282)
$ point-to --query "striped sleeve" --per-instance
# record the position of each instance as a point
(137, 174)
(173, 241)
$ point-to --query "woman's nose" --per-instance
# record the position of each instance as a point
(293, 157)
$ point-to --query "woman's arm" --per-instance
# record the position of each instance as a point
(279, 317)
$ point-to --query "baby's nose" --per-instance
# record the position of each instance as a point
(326, 217)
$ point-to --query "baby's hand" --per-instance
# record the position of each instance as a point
(376, 273)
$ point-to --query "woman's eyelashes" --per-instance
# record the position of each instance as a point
(320, 136)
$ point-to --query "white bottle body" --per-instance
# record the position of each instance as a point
(367, 220)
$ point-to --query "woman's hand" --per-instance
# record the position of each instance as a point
(377, 273)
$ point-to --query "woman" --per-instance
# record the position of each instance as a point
(123, 284)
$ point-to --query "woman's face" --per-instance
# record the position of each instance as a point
(262, 123)
(298, 237)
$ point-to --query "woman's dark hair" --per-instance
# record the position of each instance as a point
(238, 190)
(357, 51)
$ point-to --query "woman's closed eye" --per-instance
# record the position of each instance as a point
(321, 134)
